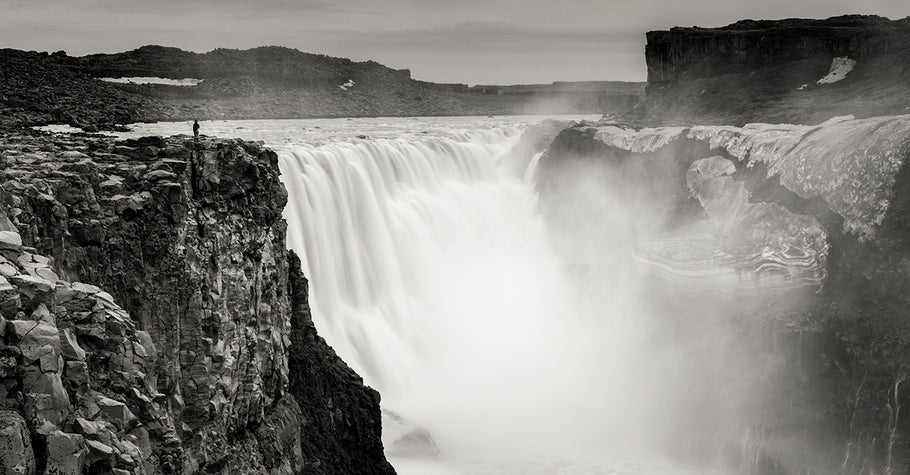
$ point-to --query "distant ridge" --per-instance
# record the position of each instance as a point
(768, 71)
(258, 83)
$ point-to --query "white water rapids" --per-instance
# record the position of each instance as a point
(433, 275)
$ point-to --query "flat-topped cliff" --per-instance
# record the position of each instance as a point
(175, 334)
(778, 71)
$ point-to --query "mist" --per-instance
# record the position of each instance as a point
(518, 335)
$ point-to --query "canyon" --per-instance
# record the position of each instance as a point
(152, 319)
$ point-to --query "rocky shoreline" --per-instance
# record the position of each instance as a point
(187, 242)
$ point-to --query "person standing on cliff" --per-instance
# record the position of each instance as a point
(196, 130)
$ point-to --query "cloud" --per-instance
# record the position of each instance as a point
(443, 40)
(491, 36)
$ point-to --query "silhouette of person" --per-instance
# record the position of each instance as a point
(195, 130)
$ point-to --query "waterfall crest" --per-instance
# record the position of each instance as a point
(432, 274)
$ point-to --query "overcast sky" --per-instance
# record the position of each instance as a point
(468, 41)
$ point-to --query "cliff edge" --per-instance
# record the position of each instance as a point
(181, 363)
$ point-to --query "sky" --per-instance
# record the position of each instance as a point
(462, 41)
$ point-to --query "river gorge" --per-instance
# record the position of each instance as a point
(616, 301)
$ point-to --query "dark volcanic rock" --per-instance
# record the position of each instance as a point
(189, 239)
(767, 71)
(745, 46)
(37, 89)
(260, 83)
(341, 415)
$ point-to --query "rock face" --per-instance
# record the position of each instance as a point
(192, 374)
(770, 71)
(342, 423)
(78, 390)
(747, 45)
(807, 225)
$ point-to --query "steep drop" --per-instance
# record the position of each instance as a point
(434, 276)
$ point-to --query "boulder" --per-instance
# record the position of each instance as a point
(65, 453)
(69, 346)
(115, 412)
(10, 240)
(16, 456)
(99, 452)
(34, 335)
(32, 285)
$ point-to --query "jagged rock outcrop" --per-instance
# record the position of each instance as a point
(189, 239)
(807, 224)
(769, 71)
(77, 386)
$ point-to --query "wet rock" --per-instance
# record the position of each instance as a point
(404, 438)
(742, 246)
(813, 218)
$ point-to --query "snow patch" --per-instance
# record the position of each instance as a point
(185, 82)
(840, 66)
(347, 85)
(58, 129)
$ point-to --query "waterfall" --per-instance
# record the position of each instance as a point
(432, 274)
(371, 221)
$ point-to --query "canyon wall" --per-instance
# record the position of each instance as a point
(229, 375)
(768, 71)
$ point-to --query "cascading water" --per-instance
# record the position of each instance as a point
(433, 275)
(375, 223)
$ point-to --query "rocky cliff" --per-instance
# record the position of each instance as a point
(199, 355)
(791, 242)
(770, 71)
